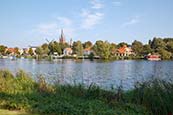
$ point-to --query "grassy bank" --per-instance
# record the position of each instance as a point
(20, 92)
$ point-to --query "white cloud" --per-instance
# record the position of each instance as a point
(96, 4)
(90, 19)
(53, 29)
(132, 21)
(117, 3)
(48, 29)
(65, 21)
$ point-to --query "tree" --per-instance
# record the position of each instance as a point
(122, 44)
(102, 49)
(113, 49)
(54, 47)
(16, 49)
(30, 51)
(147, 49)
(45, 48)
(157, 44)
(137, 47)
(87, 44)
(2, 49)
(169, 46)
(39, 51)
(77, 48)
(164, 54)
(63, 46)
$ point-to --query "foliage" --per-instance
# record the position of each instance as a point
(77, 48)
(156, 95)
(122, 44)
(137, 47)
(54, 47)
(2, 49)
(31, 52)
(102, 49)
(87, 44)
(20, 92)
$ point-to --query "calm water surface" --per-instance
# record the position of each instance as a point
(104, 74)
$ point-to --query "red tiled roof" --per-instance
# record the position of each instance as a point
(122, 49)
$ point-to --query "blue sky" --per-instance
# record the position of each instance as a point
(30, 22)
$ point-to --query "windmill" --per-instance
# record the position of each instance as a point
(49, 44)
(49, 41)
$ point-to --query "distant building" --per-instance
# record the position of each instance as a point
(21, 51)
(67, 51)
(62, 37)
(124, 51)
(33, 49)
(25, 50)
(87, 51)
(10, 51)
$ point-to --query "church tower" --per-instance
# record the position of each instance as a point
(62, 37)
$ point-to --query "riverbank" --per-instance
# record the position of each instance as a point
(20, 92)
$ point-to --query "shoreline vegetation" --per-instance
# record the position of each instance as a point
(160, 47)
(20, 92)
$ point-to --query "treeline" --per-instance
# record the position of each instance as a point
(105, 49)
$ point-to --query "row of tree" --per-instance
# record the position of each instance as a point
(107, 50)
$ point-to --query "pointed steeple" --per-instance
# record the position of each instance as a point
(62, 37)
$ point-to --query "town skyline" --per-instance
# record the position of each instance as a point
(27, 23)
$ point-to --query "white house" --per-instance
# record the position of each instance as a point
(67, 51)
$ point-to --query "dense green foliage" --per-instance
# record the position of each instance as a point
(20, 92)
(104, 49)
(77, 48)
(2, 49)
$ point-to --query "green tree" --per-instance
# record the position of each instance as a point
(147, 49)
(169, 46)
(137, 47)
(31, 52)
(158, 44)
(113, 49)
(63, 46)
(16, 49)
(2, 49)
(77, 48)
(102, 49)
(87, 44)
(164, 53)
(54, 47)
(39, 51)
(122, 44)
(45, 48)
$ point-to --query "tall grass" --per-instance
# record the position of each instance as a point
(21, 92)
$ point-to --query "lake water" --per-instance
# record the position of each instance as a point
(104, 74)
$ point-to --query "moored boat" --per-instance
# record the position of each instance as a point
(153, 57)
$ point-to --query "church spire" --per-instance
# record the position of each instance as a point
(62, 37)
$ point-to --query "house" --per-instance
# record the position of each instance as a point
(25, 50)
(67, 51)
(33, 49)
(124, 51)
(10, 51)
(21, 51)
(87, 51)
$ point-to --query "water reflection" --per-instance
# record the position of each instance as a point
(104, 74)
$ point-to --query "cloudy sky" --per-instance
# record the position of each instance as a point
(30, 22)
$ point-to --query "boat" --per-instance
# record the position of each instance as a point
(153, 57)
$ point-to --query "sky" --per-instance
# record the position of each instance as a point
(31, 22)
